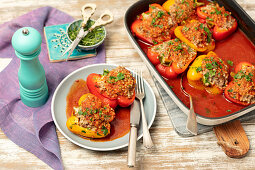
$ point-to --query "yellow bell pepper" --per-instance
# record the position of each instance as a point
(178, 33)
(72, 125)
(195, 78)
(168, 4)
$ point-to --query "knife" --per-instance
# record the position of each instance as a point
(134, 123)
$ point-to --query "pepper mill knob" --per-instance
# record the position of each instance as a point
(33, 86)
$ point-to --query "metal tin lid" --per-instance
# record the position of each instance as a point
(26, 41)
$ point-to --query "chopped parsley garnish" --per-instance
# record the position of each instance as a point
(238, 76)
(152, 7)
(185, 28)
(228, 110)
(225, 14)
(160, 14)
(104, 130)
(153, 21)
(230, 62)
(106, 72)
(99, 134)
(198, 69)
(120, 76)
(178, 47)
(230, 90)
(209, 66)
(210, 19)
(212, 72)
(206, 77)
(83, 131)
(209, 34)
(217, 12)
(154, 42)
(201, 26)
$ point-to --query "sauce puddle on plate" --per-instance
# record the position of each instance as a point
(120, 126)
(236, 48)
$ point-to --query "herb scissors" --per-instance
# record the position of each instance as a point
(87, 11)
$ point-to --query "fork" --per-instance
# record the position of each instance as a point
(139, 94)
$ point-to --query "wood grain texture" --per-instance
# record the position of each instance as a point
(171, 151)
(232, 138)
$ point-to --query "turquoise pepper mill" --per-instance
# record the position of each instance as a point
(32, 81)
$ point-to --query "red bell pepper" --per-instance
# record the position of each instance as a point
(201, 14)
(135, 30)
(168, 56)
(220, 34)
(227, 95)
(230, 86)
(167, 72)
(92, 83)
(153, 22)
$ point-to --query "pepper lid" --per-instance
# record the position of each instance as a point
(26, 41)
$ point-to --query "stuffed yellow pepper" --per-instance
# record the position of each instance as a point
(208, 72)
(92, 118)
(180, 10)
(196, 35)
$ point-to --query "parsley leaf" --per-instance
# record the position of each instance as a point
(120, 76)
(230, 62)
(104, 130)
(106, 72)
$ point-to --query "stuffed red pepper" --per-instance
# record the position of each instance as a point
(171, 57)
(115, 87)
(154, 26)
(217, 17)
(242, 90)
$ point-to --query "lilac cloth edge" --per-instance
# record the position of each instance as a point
(45, 143)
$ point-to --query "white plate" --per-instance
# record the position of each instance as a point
(58, 109)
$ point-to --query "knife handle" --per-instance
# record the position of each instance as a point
(132, 146)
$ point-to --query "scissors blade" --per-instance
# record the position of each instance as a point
(71, 48)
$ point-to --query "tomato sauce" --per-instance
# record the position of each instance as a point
(120, 126)
(236, 48)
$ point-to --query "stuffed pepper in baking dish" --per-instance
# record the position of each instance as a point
(171, 57)
(242, 90)
(154, 26)
(196, 35)
(217, 17)
(208, 72)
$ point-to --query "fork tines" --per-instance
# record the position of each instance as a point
(139, 88)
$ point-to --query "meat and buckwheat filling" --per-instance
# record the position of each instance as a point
(174, 51)
(117, 82)
(182, 9)
(243, 88)
(157, 25)
(95, 115)
(218, 15)
(214, 71)
(198, 33)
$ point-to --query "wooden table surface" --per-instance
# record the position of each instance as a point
(171, 151)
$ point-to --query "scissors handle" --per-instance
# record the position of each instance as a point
(87, 11)
(101, 21)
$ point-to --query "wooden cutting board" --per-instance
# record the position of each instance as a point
(232, 138)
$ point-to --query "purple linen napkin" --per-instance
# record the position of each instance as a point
(33, 128)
